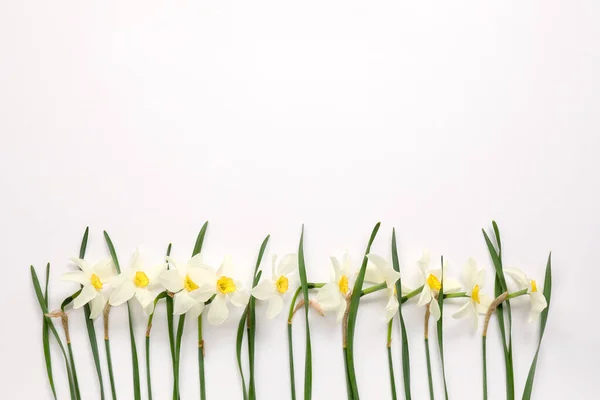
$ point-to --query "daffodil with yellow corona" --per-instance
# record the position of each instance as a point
(432, 283)
(332, 296)
(478, 302)
(537, 300)
(94, 280)
(283, 279)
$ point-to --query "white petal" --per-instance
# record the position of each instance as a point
(122, 293)
(196, 261)
(182, 303)
(264, 290)
(196, 310)
(405, 289)
(347, 265)
(136, 264)
(470, 273)
(518, 276)
(75, 276)
(341, 309)
(329, 296)
(218, 311)
(226, 268)
(203, 276)
(275, 306)
(464, 311)
(97, 305)
(203, 293)
(434, 309)
(451, 285)
(87, 293)
(176, 265)
(391, 277)
(424, 262)
(288, 264)
(153, 273)
(144, 297)
(538, 302)
(373, 275)
(83, 265)
(391, 308)
(337, 269)
(105, 270)
(171, 280)
(239, 298)
(425, 296)
(484, 303)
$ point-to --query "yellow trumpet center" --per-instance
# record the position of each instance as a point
(225, 285)
(533, 286)
(433, 282)
(475, 294)
(343, 284)
(96, 282)
(141, 279)
(189, 284)
(282, 284)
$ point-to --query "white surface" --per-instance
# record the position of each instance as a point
(146, 119)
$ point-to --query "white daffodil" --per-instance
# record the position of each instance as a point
(138, 281)
(283, 278)
(332, 296)
(478, 302)
(184, 280)
(225, 289)
(538, 301)
(94, 279)
(432, 285)
(379, 271)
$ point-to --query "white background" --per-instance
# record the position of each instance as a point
(148, 118)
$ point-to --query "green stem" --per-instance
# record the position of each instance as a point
(390, 362)
(75, 380)
(201, 360)
(148, 377)
(429, 369)
(310, 285)
(516, 294)
(484, 355)
(348, 384)
(110, 369)
(180, 327)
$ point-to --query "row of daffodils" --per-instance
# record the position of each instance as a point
(193, 289)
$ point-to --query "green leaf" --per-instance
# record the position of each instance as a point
(238, 350)
(440, 329)
(429, 378)
(543, 319)
(134, 356)
(404, 337)
(46, 338)
(308, 356)
(252, 321)
(44, 307)
(499, 288)
(390, 361)
(353, 313)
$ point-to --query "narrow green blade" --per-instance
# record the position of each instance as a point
(44, 307)
(543, 320)
(46, 338)
(353, 313)
(252, 321)
(308, 356)
(238, 350)
(440, 330)
(404, 337)
(134, 356)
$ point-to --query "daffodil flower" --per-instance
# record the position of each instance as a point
(332, 296)
(184, 280)
(283, 278)
(138, 281)
(432, 285)
(94, 279)
(478, 302)
(538, 301)
(379, 271)
(225, 289)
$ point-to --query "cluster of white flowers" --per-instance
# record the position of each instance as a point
(194, 284)
(332, 296)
